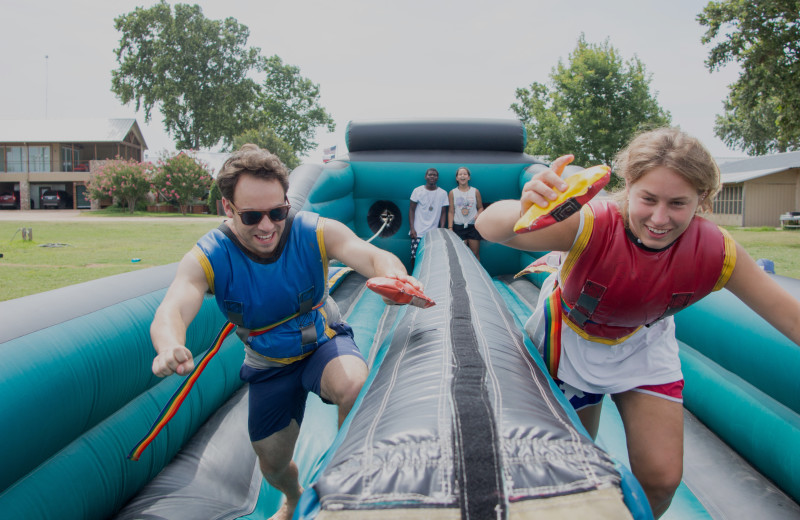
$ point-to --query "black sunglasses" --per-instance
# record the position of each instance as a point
(253, 217)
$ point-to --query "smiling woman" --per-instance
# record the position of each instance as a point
(660, 207)
(621, 271)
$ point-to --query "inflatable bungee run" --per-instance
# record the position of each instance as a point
(458, 418)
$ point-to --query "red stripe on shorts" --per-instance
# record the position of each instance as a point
(673, 390)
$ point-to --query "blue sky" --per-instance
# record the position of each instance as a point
(375, 59)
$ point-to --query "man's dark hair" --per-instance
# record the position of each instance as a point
(251, 160)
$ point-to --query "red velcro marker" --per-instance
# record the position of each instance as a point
(399, 292)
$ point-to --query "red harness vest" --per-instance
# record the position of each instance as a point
(611, 287)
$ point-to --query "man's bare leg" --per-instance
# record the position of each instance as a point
(275, 460)
(341, 382)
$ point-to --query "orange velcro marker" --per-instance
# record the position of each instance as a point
(581, 187)
(399, 291)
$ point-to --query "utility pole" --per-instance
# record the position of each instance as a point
(45, 84)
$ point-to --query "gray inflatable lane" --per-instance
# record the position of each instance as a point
(459, 418)
(726, 484)
(215, 475)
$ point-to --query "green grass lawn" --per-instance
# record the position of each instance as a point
(780, 246)
(66, 253)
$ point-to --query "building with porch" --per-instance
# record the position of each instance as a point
(758, 191)
(51, 154)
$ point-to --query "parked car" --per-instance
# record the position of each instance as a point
(9, 200)
(55, 199)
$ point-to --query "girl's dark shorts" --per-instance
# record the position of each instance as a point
(466, 233)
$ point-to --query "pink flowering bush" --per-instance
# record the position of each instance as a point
(125, 180)
(182, 180)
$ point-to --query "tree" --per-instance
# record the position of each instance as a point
(193, 69)
(125, 180)
(592, 107)
(267, 138)
(181, 179)
(213, 196)
(290, 106)
(762, 111)
(751, 130)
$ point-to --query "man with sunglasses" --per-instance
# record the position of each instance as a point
(267, 269)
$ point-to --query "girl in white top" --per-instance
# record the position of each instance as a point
(465, 206)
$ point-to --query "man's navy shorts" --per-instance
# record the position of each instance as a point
(278, 395)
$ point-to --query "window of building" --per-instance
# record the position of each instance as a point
(39, 158)
(730, 200)
(71, 159)
(16, 159)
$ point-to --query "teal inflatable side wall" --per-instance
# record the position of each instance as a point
(763, 431)
(77, 396)
(742, 382)
(747, 345)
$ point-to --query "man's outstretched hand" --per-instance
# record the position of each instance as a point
(402, 292)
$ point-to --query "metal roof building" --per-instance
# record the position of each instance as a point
(58, 154)
(757, 191)
(70, 131)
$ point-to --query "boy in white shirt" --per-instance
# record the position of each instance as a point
(428, 210)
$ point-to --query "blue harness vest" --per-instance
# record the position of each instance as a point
(277, 299)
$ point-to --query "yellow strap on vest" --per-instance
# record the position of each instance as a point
(206, 265)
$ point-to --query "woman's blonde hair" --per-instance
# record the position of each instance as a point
(672, 148)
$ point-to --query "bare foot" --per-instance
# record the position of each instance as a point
(283, 513)
(287, 509)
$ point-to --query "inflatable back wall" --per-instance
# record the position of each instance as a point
(77, 393)
(387, 160)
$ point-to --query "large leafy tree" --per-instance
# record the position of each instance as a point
(591, 107)
(762, 111)
(290, 106)
(194, 70)
(200, 74)
(267, 138)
